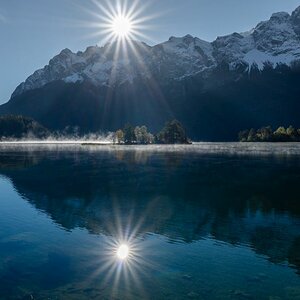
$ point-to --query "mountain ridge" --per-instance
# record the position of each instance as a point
(217, 89)
(276, 40)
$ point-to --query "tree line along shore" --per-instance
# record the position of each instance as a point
(267, 134)
(16, 127)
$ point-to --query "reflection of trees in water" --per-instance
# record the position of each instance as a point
(7, 162)
(253, 202)
(144, 157)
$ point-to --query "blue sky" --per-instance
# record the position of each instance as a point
(33, 31)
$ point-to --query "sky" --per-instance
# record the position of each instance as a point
(33, 31)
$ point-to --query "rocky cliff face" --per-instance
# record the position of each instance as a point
(274, 41)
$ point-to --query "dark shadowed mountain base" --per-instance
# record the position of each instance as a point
(215, 108)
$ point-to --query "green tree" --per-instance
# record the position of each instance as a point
(252, 136)
(280, 134)
(243, 135)
(150, 138)
(291, 132)
(280, 131)
(172, 133)
(16, 126)
(119, 136)
(265, 134)
(142, 135)
(129, 134)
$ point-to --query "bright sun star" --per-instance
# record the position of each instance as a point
(117, 20)
(123, 252)
(121, 26)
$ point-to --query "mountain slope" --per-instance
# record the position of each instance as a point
(16, 127)
(216, 89)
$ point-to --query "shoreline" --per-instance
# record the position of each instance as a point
(108, 143)
(197, 148)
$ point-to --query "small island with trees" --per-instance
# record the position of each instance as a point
(266, 134)
(172, 133)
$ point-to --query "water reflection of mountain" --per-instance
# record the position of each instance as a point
(238, 200)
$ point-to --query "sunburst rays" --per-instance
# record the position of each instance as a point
(127, 59)
(114, 20)
(123, 275)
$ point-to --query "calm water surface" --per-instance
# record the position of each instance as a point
(209, 221)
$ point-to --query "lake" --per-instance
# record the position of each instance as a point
(203, 221)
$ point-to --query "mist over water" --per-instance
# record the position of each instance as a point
(203, 221)
(64, 138)
(105, 143)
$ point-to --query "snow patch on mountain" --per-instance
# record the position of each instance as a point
(73, 78)
(275, 41)
(189, 46)
(259, 58)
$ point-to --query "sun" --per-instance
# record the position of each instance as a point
(123, 252)
(120, 21)
(121, 26)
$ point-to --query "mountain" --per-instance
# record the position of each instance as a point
(16, 127)
(216, 89)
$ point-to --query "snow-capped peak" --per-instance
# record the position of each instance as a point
(275, 41)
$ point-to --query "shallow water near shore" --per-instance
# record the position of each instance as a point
(202, 221)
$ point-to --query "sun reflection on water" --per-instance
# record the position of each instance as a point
(123, 260)
(117, 263)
